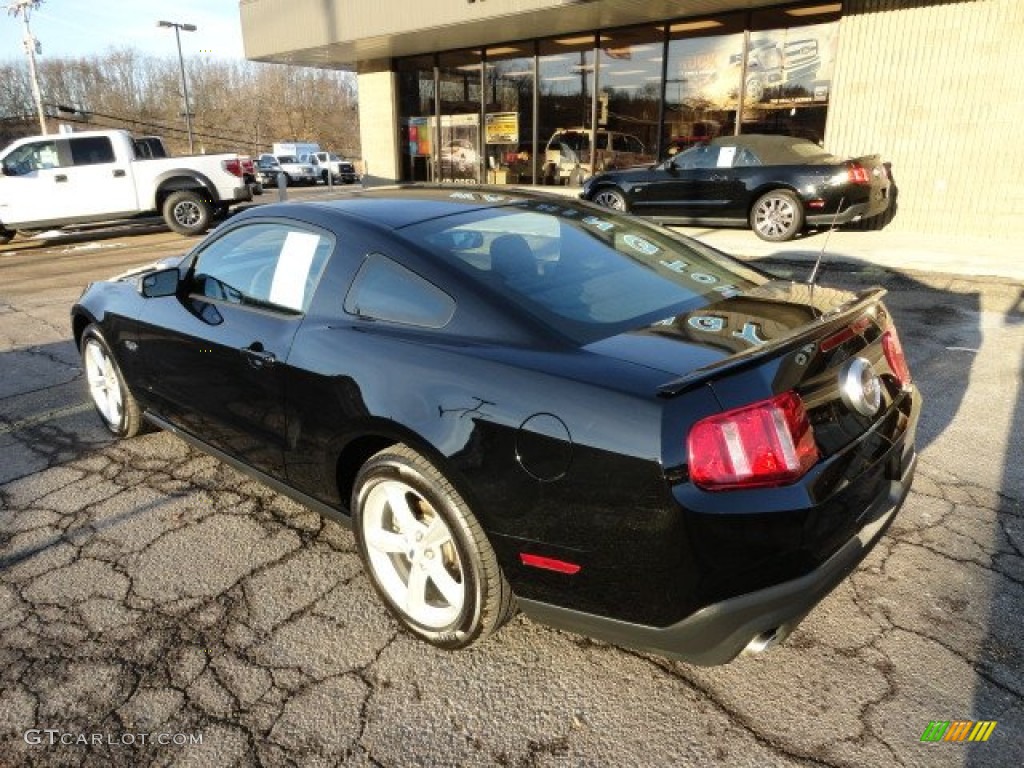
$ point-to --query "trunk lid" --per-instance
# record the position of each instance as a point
(778, 337)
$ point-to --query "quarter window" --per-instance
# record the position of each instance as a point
(266, 265)
(384, 290)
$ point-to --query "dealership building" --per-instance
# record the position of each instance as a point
(541, 91)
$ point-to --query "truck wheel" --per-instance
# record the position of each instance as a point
(6, 236)
(187, 212)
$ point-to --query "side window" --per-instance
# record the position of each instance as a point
(32, 157)
(633, 144)
(265, 264)
(700, 156)
(602, 140)
(91, 151)
(384, 290)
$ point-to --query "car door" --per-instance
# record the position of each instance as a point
(683, 187)
(99, 183)
(32, 187)
(216, 354)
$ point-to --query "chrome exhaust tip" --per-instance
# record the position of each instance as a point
(762, 642)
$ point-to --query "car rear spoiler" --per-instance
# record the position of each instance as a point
(830, 321)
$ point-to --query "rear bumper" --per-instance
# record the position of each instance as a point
(855, 212)
(718, 633)
(242, 194)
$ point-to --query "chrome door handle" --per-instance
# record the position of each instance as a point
(118, 173)
(257, 356)
(60, 177)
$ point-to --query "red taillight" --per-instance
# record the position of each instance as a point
(763, 444)
(234, 167)
(858, 174)
(895, 357)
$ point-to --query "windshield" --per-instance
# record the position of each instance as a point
(574, 140)
(585, 275)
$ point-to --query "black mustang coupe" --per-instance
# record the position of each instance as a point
(523, 402)
(777, 185)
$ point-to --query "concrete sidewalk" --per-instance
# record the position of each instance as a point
(888, 249)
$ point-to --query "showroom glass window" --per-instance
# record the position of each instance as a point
(790, 65)
(702, 80)
(508, 113)
(416, 104)
(629, 93)
(459, 90)
(565, 83)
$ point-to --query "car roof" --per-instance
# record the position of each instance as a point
(389, 207)
(775, 150)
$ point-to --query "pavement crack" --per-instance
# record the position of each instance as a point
(741, 721)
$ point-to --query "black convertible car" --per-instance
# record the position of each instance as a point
(525, 402)
(777, 185)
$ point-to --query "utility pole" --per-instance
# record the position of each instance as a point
(24, 8)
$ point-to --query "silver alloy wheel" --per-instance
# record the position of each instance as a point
(104, 386)
(413, 555)
(187, 213)
(775, 216)
(610, 198)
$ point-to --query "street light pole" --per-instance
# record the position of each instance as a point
(23, 8)
(184, 82)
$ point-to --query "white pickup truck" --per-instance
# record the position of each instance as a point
(93, 176)
(325, 163)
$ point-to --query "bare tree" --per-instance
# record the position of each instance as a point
(239, 105)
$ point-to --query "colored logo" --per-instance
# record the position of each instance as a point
(958, 730)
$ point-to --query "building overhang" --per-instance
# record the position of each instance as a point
(348, 34)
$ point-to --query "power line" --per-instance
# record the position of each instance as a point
(148, 124)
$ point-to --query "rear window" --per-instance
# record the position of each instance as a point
(585, 275)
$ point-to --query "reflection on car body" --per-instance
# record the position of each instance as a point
(524, 401)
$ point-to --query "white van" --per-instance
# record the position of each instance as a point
(567, 156)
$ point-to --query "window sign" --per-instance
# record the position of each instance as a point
(288, 287)
(419, 136)
(502, 128)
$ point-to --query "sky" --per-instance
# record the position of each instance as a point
(74, 28)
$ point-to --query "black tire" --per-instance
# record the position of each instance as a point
(777, 216)
(188, 212)
(119, 412)
(611, 197)
(324, 177)
(442, 536)
(6, 236)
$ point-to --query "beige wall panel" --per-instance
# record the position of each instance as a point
(378, 135)
(936, 88)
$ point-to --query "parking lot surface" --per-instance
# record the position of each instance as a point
(149, 591)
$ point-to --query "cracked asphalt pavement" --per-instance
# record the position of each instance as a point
(148, 589)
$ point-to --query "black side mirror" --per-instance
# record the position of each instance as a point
(163, 282)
